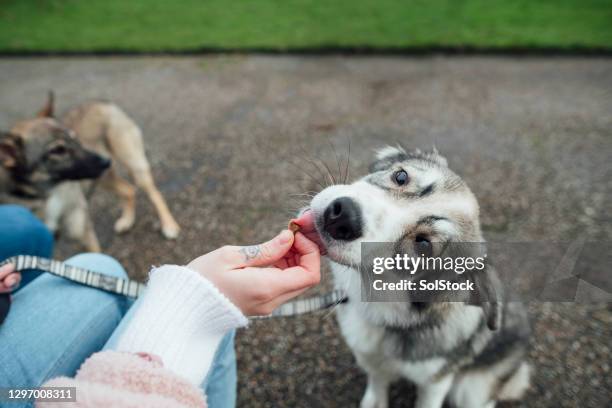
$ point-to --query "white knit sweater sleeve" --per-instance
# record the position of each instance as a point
(181, 318)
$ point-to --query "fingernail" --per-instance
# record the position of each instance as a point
(285, 237)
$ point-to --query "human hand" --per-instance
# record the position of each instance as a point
(9, 278)
(259, 278)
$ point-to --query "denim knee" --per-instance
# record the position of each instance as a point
(45, 239)
(98, 262)
(18, 212)
(23, 234)
(28, 235)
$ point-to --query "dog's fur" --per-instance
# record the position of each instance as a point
(469, 355)
(104, 128)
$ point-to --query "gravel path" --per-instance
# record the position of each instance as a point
(532, 137)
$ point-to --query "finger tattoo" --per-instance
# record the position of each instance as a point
(250, 252)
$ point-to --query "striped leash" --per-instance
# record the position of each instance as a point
(133, 289)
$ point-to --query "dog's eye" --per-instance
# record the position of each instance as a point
(60, 149)
(422, 245)
(400, 177)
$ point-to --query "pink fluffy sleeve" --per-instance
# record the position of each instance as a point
(116, 379)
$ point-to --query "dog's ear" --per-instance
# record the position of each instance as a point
(391, 154)
(11, 150)
(388, 152)
(386, 156)
(48, 110)
(437, 157)
(488, 295)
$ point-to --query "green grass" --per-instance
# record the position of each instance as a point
(165, 25)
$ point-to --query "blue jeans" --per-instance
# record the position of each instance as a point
(23, 234)
(55, 324)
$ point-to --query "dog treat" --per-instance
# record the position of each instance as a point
(293, 226)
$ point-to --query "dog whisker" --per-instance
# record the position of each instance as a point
(313, 178)
(291, 159)
(331, 176)
(336, 156)
(302, 195)
(348, 160)
(327, 174)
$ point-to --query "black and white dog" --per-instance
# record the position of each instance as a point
(468, 355)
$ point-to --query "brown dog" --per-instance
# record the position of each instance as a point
(104, 128)
(39, 154)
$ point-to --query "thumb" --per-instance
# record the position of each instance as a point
(269, 252)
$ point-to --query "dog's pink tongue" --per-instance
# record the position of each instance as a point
(306, 222)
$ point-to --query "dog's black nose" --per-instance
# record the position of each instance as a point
(105, 163)
(342, 219)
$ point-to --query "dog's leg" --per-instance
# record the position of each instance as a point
(76, 220)
(432, 395)
(67, 210)
(377, 392)
(90, 239)
(127, 193)
(144, 180)
(54, 209)
(126, 145)
(79, 227)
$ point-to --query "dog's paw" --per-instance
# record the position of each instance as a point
(371, 403)
(371, 400)
(124, 224)
(171, 231)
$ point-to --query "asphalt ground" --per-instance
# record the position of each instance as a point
(230, 139)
